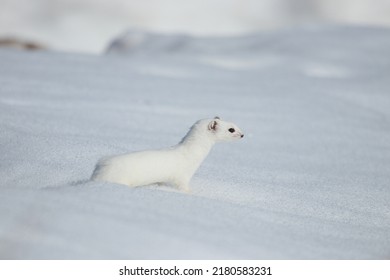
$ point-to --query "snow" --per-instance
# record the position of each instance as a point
(88, 25)
(310, 179)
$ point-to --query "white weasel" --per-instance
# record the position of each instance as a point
(173, 166)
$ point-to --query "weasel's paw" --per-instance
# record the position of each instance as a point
(185, 189)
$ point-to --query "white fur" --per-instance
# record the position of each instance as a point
(174, 166)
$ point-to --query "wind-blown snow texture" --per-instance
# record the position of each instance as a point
(311, 178)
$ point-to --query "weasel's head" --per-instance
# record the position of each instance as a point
(224, 131)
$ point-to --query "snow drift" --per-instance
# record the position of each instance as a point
(309, 181)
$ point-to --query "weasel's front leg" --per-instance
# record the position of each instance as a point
(185, 189)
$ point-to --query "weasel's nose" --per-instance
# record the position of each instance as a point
(242, 135)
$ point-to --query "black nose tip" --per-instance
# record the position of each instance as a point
(242, 135)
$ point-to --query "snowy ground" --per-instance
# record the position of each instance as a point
(311, 179)
(88, 25)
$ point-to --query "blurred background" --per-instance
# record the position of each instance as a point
(89, 25)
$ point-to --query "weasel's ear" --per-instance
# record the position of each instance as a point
(213, 125)
(217, 118)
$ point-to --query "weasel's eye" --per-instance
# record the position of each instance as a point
(231, 130)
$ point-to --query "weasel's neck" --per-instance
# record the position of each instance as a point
(196, 147)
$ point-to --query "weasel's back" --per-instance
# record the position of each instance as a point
(137, 169)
